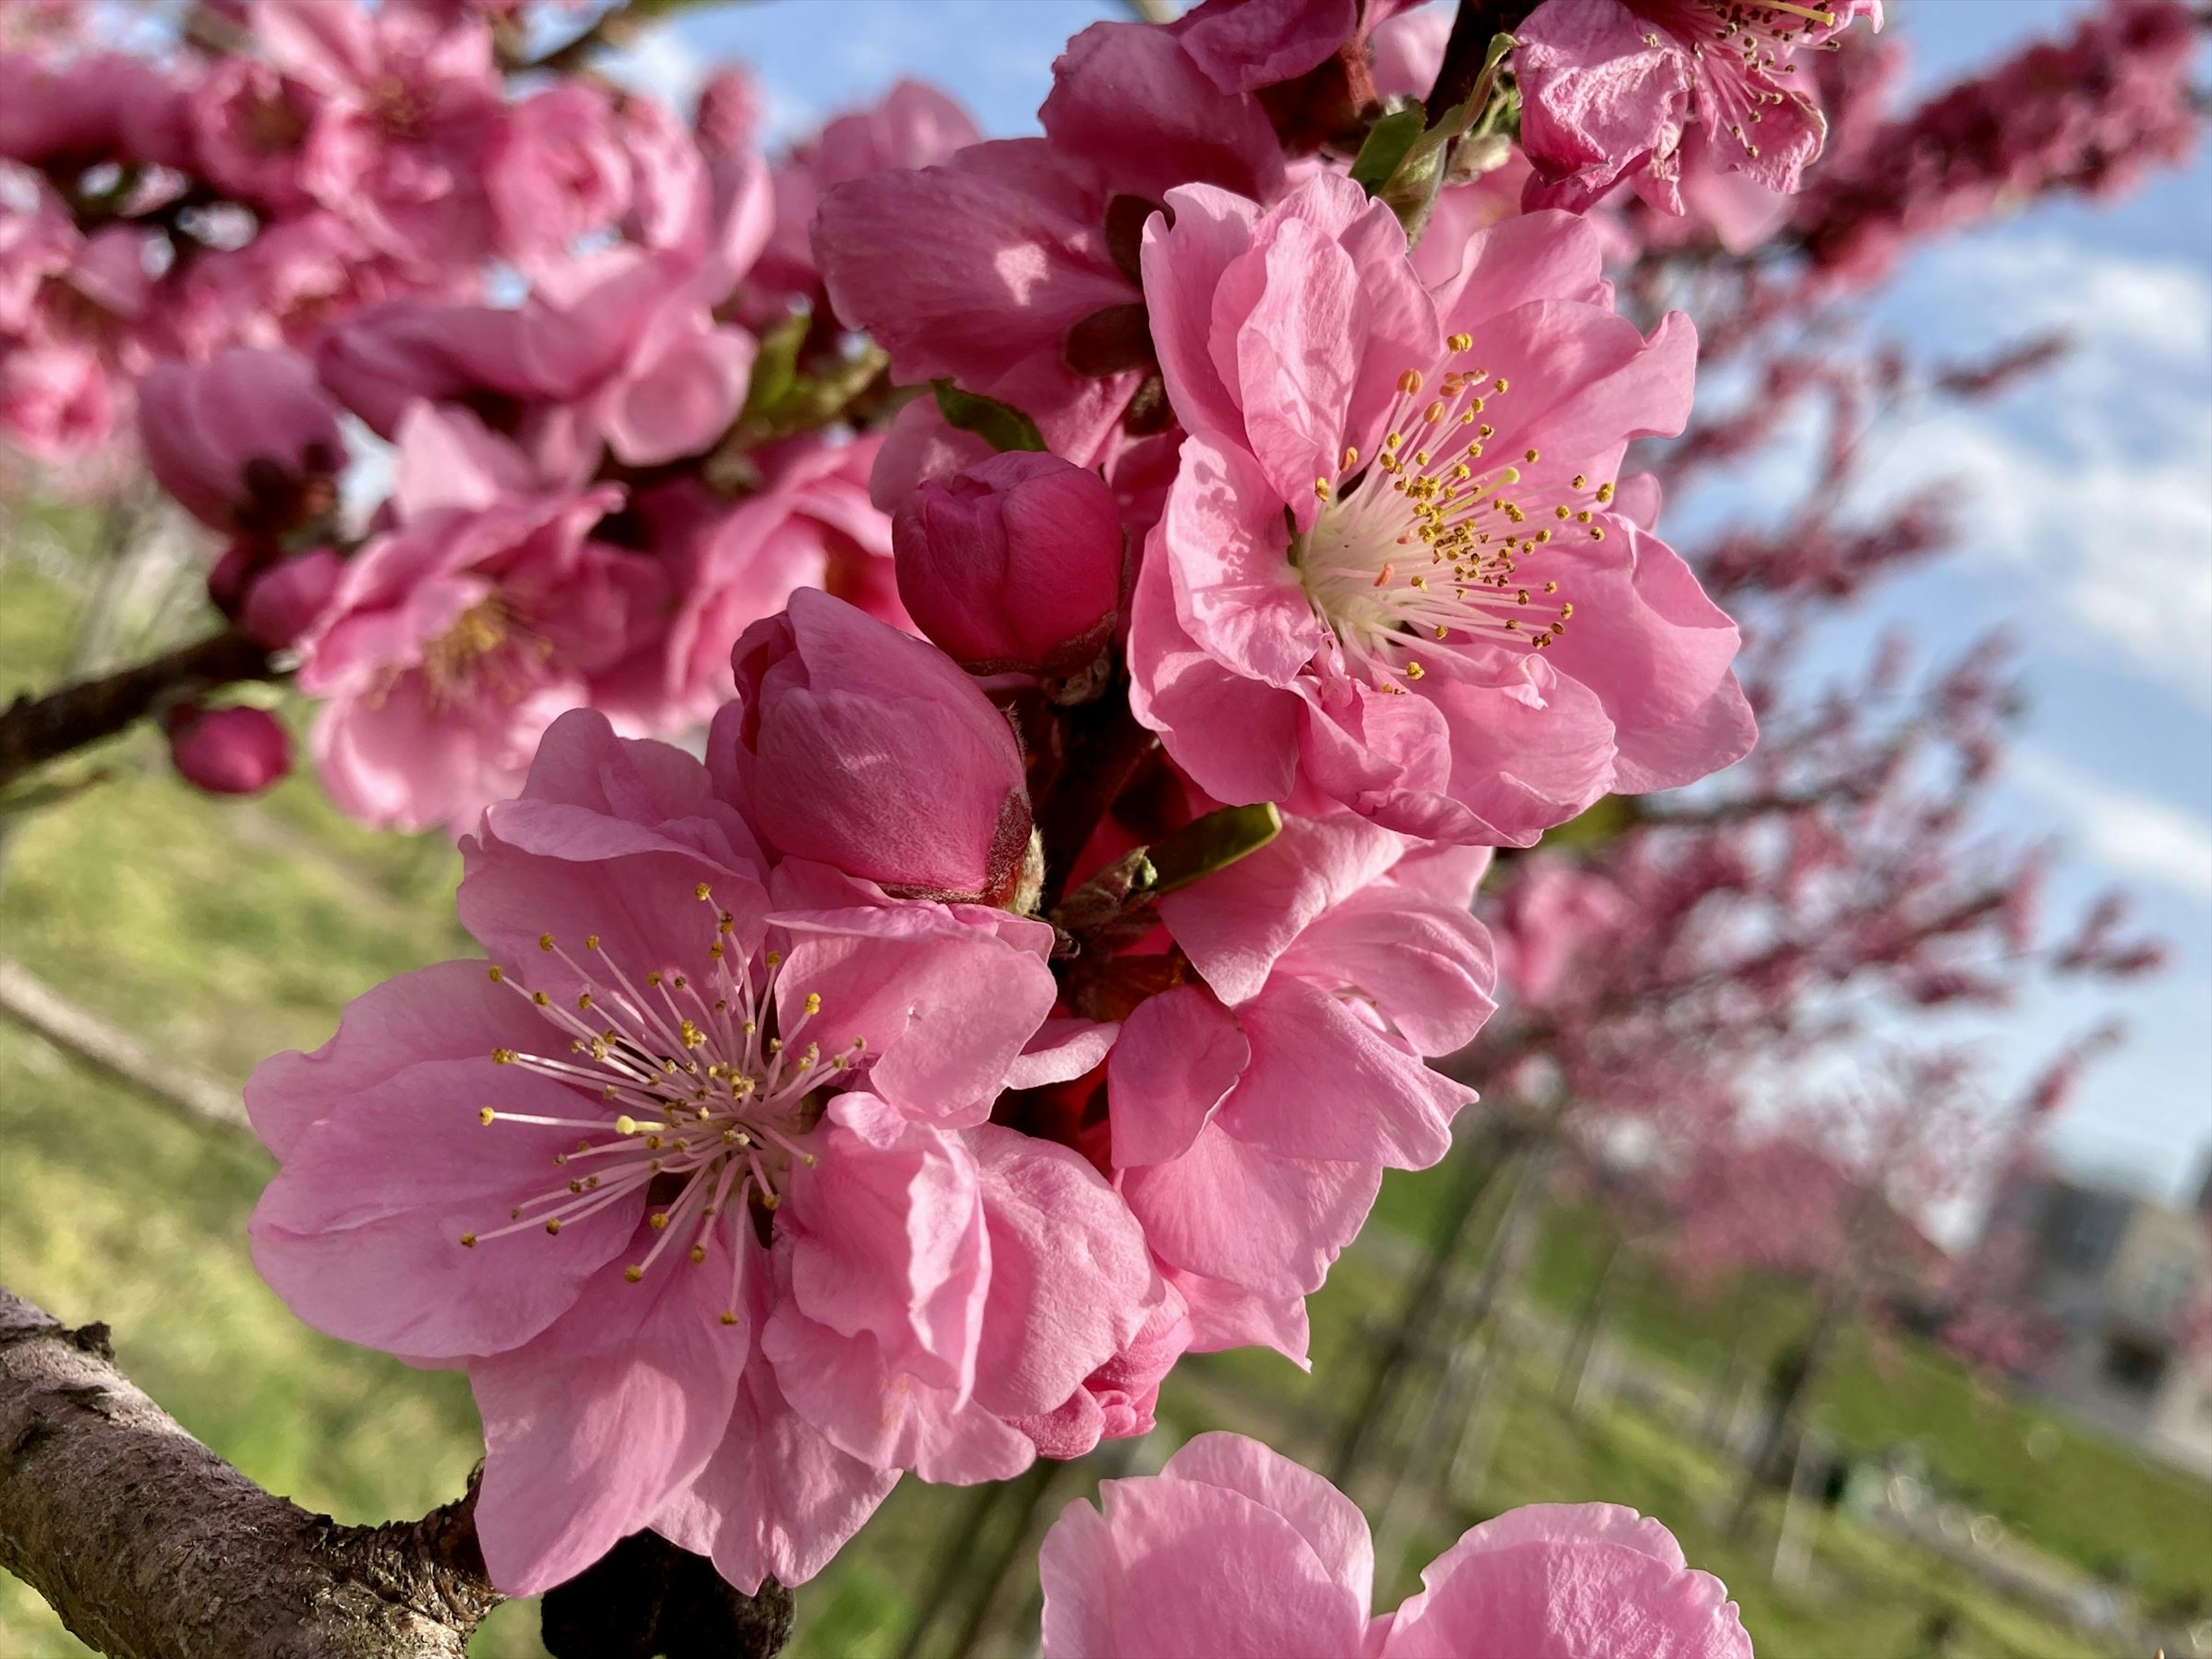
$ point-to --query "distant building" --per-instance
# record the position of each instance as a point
(2117, 1274)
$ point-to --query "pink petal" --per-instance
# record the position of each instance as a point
(359, 1233)
(1330, 1522)
(1179, 1055)
(1174, 1570)
(591, 1426)
(1230, 1211)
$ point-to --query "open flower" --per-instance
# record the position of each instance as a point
(454, 639)
(693, 1178)
(1233, 1551)
(1254, 1111)
(1611, 88)
(1392, 561)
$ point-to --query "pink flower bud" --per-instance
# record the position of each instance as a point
(229, 752)
(859, 746)
(248, 441)
(1015, 563)
(286, 598)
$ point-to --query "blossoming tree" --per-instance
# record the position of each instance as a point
(976, 682)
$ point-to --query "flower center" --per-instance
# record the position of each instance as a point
(685, 1105)
(1427, 546)
(489, 645)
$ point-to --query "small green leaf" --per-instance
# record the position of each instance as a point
(1000, 425)
(1210, 843)
(775, 369)
(1386, 142)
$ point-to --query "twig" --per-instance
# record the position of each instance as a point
(35, 730)
(1478, 22)
(151, 1546)
(31, 1002)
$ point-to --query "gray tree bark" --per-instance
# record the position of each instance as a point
(151, 1546)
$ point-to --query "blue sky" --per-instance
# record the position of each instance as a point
(2089, 498)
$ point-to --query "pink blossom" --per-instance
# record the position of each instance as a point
(1612, 88)
(862, 746)
(104, 106)
(1234, 1552)
(240, 751)
(247, 441)
(1551, 913)
(1015, 564)
(556, 172)
(1017, 273)
(732, 563)
(1254, 1111)
(457, 635)
(56, 400)
(755, 1309)
(1444, 467)
(409, 100)
(912, 125)
(247, 121)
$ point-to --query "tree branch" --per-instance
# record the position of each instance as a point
(33, 1003)
(1477, 21)
(33, 730)
(151, 1546)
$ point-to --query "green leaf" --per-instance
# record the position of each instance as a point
(775, 369)
(1000, 425)
(1210, 843)
(1386, 142)
(1411, 189)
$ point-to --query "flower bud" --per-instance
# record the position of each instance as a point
(284, 599)
(229, 752)
(248, 441)
(858, 746)
(1013, 564)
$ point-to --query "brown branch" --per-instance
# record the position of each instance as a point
(1477, 22)
(35, 730)
(37, 1007)
(151, 1546)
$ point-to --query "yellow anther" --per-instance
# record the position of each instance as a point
(1604, 493)
(770, 1202)
(503, 1056)
(591, 941)
(1561, 513)
(1351, 459)
(728, 1318)
(633, 1273)
(657, 1220)
(583, 1000)
(1460, 341)
(1551, 588)
(1414, 671)
(1410, 382)
(1597, 533)
(1565, 612)
(546, 941)
(814, 1002)
(1501, 384)
(1530, 457)
(552, 1224)
(496, 975)
(775, 958)
(468, 1241)
(701, 892)
(653, 1143)
(485, 1115)
(1321, 490)
(1434, 412)
(714, 949)
(541, 999)
(698, 1254)
(1442, 632)
(654, 979)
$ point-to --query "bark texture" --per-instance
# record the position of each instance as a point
(35, 730)
(151, 1546)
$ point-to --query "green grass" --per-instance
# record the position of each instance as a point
(220, 932)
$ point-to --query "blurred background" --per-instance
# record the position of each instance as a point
(1841, 1188)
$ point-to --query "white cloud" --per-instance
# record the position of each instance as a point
(2134, 833)
(662, 63)
(2096, 478)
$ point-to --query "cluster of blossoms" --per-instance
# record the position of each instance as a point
(908, 1078)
